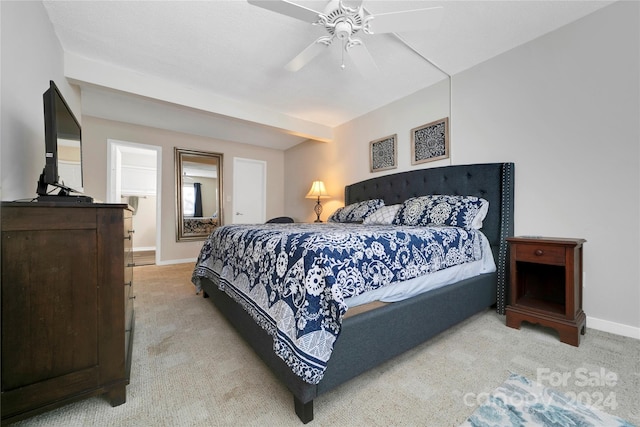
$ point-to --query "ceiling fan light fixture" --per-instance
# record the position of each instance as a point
(339, 19)
(343, 22)
(343, 30)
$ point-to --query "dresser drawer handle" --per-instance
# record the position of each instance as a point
(129, 283)
(133, 297)
(539, 252)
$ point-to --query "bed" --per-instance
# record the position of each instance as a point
(374, 336)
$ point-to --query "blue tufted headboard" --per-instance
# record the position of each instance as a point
(492, 181)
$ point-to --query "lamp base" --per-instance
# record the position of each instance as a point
(318, 210)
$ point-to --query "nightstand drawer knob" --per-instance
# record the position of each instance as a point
(539, 252)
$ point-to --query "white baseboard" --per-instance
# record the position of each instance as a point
(177, 261)
(144, 248)
(613, 327)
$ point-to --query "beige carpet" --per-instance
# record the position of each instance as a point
(191, 369)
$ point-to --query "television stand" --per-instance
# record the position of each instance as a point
(64, 196)
(67, 200)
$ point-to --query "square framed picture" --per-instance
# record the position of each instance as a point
(430, 142)
(383, 153)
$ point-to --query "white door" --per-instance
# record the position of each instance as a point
(249, 191)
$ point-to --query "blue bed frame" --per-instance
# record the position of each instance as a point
(373, 337)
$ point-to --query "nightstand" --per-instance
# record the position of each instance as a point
(546, 285)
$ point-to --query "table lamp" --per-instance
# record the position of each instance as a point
(318, 191)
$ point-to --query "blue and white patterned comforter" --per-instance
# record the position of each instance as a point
(293, 278)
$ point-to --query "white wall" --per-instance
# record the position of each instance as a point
(139, 176)
(564, 108)
(144, 223)
(346, 159)
(31, 56)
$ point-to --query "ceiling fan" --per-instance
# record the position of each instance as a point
(344, 21)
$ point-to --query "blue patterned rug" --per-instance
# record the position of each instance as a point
(522, 402)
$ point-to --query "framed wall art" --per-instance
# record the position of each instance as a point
(383, 153)
(430, 142)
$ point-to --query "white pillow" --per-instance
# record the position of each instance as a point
(382, 216)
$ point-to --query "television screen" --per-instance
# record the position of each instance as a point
(63, 145)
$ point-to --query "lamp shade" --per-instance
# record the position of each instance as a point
(317, 191)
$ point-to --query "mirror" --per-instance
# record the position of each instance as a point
(198, 193)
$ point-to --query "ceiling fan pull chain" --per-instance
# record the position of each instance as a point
(344, 47)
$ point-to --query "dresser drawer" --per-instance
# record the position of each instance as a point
(128, 274)
(128, 240)
(540, 253)
(128, 271)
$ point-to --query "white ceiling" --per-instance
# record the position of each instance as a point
(215, 68)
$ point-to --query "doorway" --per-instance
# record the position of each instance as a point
(133, 177)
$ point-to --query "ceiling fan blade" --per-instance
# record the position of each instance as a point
(307, 55)
(363, 60)
(407, 20)
(288, 8)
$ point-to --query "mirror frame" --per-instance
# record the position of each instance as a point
(182, 234)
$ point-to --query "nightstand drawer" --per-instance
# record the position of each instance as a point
(541, 254)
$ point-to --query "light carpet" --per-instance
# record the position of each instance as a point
(522, 402)
(190, 368)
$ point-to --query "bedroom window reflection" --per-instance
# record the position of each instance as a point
(198, 198)
(188, 200)
(192, 200)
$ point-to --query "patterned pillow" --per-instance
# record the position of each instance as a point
(356, 212)
(383, 216)
(460, 211)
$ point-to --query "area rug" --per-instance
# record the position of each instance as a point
(522, 402)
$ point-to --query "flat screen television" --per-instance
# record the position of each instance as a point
(63, 150)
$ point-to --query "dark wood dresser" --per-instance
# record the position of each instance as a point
(67, 304)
